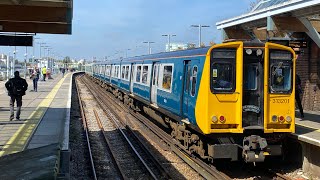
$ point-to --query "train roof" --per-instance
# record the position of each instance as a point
(189, 52)
(182, 53)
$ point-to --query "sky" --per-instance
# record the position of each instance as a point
(108, 28)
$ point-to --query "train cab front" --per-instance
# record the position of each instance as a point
(251, 96)
(268, 100)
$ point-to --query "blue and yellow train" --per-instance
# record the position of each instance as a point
(231, 99)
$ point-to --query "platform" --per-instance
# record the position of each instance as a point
(44, 121)
(308, 128)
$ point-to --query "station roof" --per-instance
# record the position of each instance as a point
(36, 16)
(275, 18)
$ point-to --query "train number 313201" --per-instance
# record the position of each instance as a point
(281, 101)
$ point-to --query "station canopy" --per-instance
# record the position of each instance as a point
(275, 20)
(36, 16)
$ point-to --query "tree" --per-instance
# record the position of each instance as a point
(212, 43)
(66, 61)
(191, 45)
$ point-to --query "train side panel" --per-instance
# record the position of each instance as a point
(169, 98)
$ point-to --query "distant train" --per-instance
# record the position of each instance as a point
(219, 102)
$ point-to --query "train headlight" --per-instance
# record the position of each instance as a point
(288, 119)
(259, 52)
(274, 118)
(222, 119)
(214, 119)
(249, 51)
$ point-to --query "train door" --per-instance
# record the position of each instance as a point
(252, 109)
(132, 77)
(186, 88)
(154, 83)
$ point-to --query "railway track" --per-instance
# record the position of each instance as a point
(205, 170)
(130, 158)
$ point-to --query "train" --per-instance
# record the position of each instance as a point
(233, 100)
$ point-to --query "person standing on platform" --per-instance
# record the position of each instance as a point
(16, 87)
(49, 73)
(63, 71)
(44, 73)
(35, 77)
(298, 91)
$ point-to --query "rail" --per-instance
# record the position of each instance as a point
(85, 128)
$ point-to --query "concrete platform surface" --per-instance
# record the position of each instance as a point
(308, 128)
(38, 163)
(36, 147)
(42, 119)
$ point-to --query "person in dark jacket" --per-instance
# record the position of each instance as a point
(63, 71)
(16, 87)
(298, 91)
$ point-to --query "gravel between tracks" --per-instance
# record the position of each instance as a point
(103, 164)
(78, 163)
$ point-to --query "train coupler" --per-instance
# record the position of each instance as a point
(254, 148)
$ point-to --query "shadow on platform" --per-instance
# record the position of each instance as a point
(38, 163)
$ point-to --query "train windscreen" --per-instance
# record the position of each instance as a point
(223, 70)
(280, 72)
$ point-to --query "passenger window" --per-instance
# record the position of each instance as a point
(138, 76)
(113, 69)
(250, 77)
(187, 81)
(117, 71)
(108, 70)
(127, 73)
(155, 72)
(145, 75)
(123, 72)
(194, 80)
(167, 77)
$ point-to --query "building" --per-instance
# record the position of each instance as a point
(295, 23)
(176, 46)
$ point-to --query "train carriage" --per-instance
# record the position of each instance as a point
(214, 99)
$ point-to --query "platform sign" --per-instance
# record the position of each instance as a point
(298, 44)
(11, 40)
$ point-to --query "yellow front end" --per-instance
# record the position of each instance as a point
(220, 113)
(279, 113)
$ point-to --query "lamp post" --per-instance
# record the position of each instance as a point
(25, 63)
(14, 60)
(169, 45)
(149, 42)
(40, 49)
(127, 52)
(200, 26)
(33, 48)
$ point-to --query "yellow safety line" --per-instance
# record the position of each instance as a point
(309, 127)
(19, 140)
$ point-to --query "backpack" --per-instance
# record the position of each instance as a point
(17, 88)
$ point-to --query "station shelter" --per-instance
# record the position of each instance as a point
(294, 23)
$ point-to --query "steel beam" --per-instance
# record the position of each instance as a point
(312, 31)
